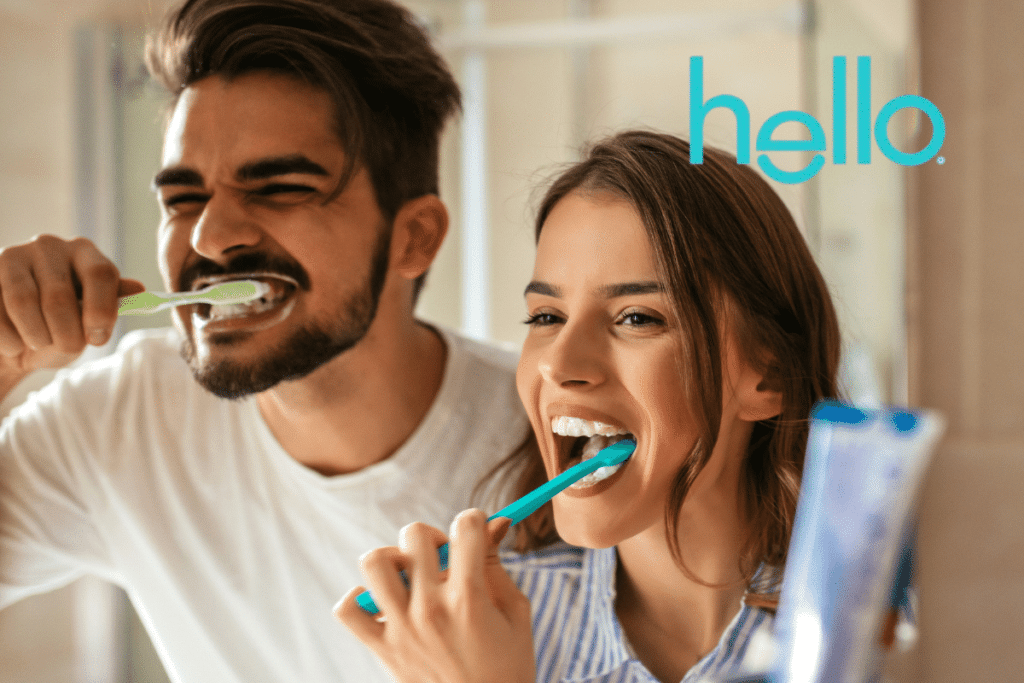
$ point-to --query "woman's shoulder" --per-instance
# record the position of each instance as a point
(563, 573)
(558, 556)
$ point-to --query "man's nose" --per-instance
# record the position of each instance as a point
(577, 357)
(223, 229)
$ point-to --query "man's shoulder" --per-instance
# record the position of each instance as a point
(140, 354)
(502, 357)
(159, 342)
(141, 359)
(482, 373)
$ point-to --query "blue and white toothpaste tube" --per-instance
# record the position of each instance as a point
(860, 483)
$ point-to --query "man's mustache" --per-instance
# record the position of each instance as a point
(242, 264)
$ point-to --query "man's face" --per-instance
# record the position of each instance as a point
(249, 166)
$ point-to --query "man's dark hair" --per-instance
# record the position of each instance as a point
(391, 91)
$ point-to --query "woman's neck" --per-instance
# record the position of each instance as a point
(670, 619)
(673, 617)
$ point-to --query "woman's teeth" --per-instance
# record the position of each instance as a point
(599, 436)
(574, 426)
(595, 445)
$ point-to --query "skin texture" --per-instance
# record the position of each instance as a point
(604, 344)
(213, 213)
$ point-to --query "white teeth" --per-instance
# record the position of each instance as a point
(278, 288)
(594, 446)
(600, 474)
(574, 426)
(260, 305)
(600, 436)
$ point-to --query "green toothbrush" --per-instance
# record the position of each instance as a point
(232, 292)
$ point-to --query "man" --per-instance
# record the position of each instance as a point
(301, 152)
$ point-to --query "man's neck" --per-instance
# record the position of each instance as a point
(359, 408)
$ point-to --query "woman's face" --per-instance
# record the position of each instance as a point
(603, 356)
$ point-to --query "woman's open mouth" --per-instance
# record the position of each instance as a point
(257, 314)
(577, 440)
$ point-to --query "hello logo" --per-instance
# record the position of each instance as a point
(766, 143)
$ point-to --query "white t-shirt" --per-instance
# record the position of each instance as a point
(232, 552)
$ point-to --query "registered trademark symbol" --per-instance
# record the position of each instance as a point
(941, 160)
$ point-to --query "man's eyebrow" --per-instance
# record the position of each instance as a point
(275, 166)
(177, 176)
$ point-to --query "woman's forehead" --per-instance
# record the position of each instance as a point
(597, 237)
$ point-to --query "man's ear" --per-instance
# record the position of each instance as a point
(419, 229)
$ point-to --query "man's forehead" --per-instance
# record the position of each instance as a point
(249, 118)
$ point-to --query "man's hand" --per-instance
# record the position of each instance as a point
(56, 296)
(469, 624)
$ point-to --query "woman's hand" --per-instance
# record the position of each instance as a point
(469, 624)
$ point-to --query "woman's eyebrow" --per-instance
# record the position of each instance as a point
(632, 289)
(608, 291)
(542, 288)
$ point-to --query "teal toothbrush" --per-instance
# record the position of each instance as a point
(615, 454)
(232, 292)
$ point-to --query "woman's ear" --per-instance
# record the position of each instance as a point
(761, 400)
(758, 395)
(419, 229)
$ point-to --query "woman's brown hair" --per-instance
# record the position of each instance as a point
(721, 237)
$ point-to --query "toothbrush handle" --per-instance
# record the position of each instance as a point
(528, 504)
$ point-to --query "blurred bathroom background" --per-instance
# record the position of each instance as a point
(923, 261)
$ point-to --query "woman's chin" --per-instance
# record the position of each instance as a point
(586, 531)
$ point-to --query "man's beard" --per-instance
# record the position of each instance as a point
(305, 350)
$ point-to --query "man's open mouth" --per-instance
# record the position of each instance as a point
(267, 310)
(578, 440)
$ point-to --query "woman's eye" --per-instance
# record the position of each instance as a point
(639, 319)
(542, 320)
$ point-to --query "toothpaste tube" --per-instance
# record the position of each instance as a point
(854, 515)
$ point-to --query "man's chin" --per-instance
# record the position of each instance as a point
(224, 365)
(231, 381)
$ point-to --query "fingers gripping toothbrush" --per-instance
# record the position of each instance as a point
(615, 454)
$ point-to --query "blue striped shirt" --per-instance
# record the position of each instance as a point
(576, 633)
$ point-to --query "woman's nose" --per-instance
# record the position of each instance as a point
(575, 358)
(223, 228)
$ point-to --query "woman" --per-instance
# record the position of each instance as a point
(679, 305)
